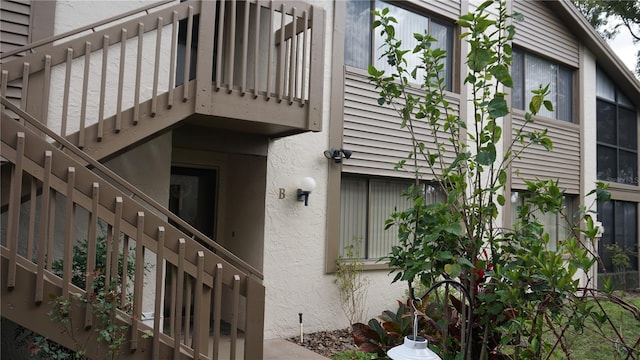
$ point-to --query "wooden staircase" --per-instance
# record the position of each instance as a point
(64, 108)
(202, 271)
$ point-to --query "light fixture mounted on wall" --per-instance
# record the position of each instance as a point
(307, 185)
(337, 154)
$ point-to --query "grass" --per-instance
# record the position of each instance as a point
(353, 355)
(602, 343)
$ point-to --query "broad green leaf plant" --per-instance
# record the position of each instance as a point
(525, 295)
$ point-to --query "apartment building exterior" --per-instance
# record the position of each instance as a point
(188, 144)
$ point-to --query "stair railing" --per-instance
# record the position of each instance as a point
(195, 295)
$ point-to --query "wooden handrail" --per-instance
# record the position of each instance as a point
(91, 26)
(65, 144)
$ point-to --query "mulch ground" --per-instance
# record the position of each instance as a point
(327, 343)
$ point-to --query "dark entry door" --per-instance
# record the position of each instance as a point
(192, 196)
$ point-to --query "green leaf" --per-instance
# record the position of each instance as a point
(535, 104)
(501, 199)
(502, 177)
(501, 72)
(517, 16)
(465, 262)
(487, 155)
(498, 107)
(453, 270)
(454, 229)
(478, 59)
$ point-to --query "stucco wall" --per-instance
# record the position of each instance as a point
(295, 235)
(295, 240)
(72, 14)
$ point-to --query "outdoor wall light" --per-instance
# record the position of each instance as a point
(307, 185)
(337, 154)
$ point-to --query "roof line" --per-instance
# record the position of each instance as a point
(604, 54)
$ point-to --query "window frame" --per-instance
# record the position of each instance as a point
(611, 233)
(619, 102)
(453, 71)
(522, 79)
(571, 200)
(368, 193)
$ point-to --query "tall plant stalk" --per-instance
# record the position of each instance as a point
(519, 287)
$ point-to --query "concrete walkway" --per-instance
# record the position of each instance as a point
(280, 349)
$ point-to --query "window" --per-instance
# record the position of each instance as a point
(365, 205)
(361, 48)
(617, 135)
(620, 222)
(530, 72)
(554, 224)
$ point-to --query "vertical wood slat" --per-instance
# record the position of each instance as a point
(91, 253)
(108, 248)
(13, 220)
(293, 62)
(44, 226)
(115, 238)
(103, 83)
(25, 87)
(245, 49)
(139, 282)
(156, 69)
(65, 96)
(254, 324)
(232, 47)
(179, 289)
(50, 231)
(256, 49)
(45, 89)
(198, 311)
(69, 240)
(3, 86)
(220, 42)
(217, 309)
(85, 94)
(235, 314)
(33, 193)
(172, 311)
(187, 56)
(172, 61)
(187, 310)
(305, 53)
(316, 64)
(282, 55)
(123, 52)
(272, 12)
(157, 309)
(125, 269)
(136, 95)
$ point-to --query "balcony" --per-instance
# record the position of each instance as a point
(252, 66)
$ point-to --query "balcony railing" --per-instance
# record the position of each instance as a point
(251, 66)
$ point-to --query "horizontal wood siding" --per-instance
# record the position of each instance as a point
(544, 33)
(562, 163)
(14, 32)
(449, 9)
(373, 132)
(14, 24)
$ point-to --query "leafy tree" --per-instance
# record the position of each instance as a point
(525, 295)
(608, 17)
